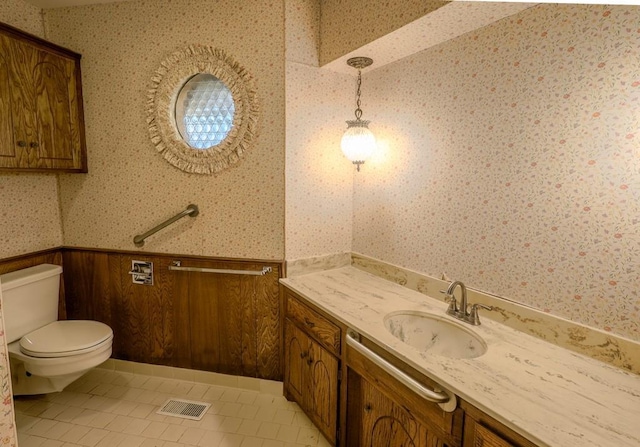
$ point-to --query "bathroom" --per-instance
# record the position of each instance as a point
(508, 157)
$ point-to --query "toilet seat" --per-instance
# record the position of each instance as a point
(66, 338)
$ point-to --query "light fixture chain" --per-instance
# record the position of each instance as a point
(358, 109)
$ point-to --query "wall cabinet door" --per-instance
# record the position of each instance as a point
(41, 123)
(311, 379)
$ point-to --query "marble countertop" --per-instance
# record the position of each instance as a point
(550, 395)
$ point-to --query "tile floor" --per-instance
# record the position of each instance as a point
(109, 408)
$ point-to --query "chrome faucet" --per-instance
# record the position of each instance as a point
(461, 312)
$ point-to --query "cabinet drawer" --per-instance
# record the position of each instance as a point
(487, 438)
(327, 333)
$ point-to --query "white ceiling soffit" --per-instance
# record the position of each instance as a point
(445, 23)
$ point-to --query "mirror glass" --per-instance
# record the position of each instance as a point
(204, 111)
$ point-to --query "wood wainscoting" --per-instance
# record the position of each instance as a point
(224, 323)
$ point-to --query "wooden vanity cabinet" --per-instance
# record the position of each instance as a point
(481, 430)
(382, 412)
(41, 115)
(312, 365)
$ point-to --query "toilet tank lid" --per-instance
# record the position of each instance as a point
(19, 278)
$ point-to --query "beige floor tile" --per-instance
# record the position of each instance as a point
(268, 430)
(192, 436)
(117, 408)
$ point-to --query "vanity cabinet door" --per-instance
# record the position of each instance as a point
(311, 379)
(381, 411)
(42, 119)
(384, 423)
(481, 430)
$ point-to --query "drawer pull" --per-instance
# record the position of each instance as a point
(437, 396)
(22, 143)
(309, 323)
(34, 145)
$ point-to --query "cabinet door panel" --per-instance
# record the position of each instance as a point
(7, 145)
(52, 77)
(296, 354)
(386, 424)
(20, 57)
(323, 389)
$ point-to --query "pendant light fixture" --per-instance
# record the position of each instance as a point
(358, 142)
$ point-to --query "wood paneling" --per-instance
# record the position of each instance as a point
(42, 105)
(214, 322)
(53, 256)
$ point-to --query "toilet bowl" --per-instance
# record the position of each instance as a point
(46, 355)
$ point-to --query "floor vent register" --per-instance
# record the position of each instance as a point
(185, 409)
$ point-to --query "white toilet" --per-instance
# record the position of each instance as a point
(45, 354)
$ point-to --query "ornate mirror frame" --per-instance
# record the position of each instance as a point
(167, 82)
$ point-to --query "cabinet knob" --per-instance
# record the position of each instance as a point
(309, 361)
(310, 323)
(34, 144)
(303, 355)
(368, 408)
(22, 143)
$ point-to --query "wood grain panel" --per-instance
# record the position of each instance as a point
(7, 145)
(53, 256)
(181, 349)
(213, 322)
(203, 319)
(481, 430)
(323, 390)
(45, 111)
(323, 330)
(445, 426)
(133, 326)
(52, 77)
(21, 57)
(269, 329)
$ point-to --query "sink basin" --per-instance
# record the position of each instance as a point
(434, 334)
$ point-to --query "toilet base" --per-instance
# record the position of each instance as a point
(25, 384)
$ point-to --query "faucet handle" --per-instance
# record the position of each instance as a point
(473, 317)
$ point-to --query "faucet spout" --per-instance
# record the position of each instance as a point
(462, 310)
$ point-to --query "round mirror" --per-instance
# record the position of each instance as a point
(202, 110)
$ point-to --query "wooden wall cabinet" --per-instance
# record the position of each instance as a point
(41, 114)
(312, 365)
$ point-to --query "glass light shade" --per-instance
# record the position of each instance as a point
(358, 142)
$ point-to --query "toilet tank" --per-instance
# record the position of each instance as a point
(29, 299)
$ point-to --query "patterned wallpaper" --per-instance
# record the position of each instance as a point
(319, 178)
(348, 25)
(130, 187)
(319, 184)
(510, 159)
(30, 215)
(29, 219)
